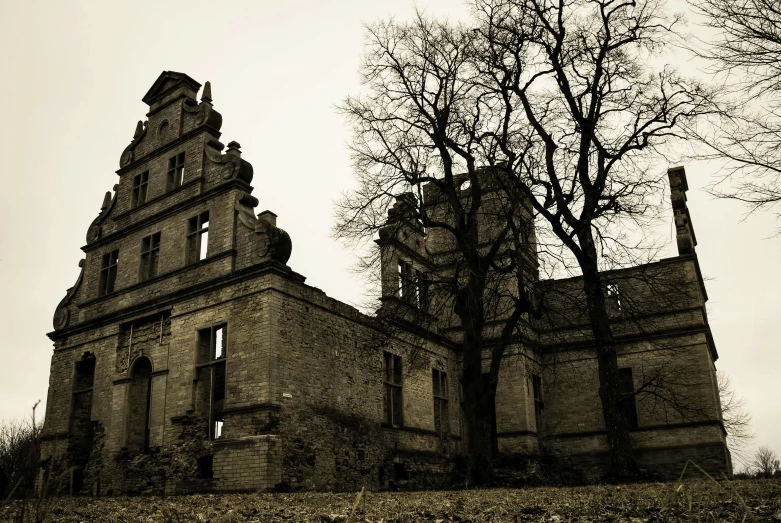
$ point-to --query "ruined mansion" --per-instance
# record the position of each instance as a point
(188, 356)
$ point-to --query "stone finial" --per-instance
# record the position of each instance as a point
(684, 230)
(234, 148)
(207, 93)
(268, 217)
(139, 129)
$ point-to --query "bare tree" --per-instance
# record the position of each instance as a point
(553, 105)
(19, 456)
(765, 462)
(736, 419)
(747, 132)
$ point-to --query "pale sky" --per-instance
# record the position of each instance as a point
(72, 77)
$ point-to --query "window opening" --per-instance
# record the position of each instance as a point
(198, 237)
(539, 403)
(393, 396)
(150, 255)
(441, 416)
(212, 349)
(140, 183)
(421, 279)
(140, 398)
(175, 171)
(626, 402)
(614, 296)
(108, 272)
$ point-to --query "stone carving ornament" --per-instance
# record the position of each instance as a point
(62, 312)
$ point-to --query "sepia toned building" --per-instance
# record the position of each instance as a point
(188, 356)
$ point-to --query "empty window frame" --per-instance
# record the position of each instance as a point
(407, 287)
(140, 183)
(175, 171)
(108, 273)
(150, 256)
(441, 416)
(626, 402)
(422, 282)
(198, 237)
(614, 297)
(413, 285)
(212, 349)
(539, 403)
(393, 399)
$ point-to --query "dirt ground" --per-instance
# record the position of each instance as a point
(693, 500)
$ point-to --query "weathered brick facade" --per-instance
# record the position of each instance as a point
(196, 359)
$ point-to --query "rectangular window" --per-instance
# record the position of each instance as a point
(421, 279)
(407, 285)
(212, 349)
(626, 390)
(197, 237)
(441, 416)
(140, 183)
(108, 273)
(150, 254)
(539, 404)
(613, 298)
(392, 379)
(175, 171)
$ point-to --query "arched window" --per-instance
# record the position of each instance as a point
(139, 399)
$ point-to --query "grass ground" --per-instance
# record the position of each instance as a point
(693, 500)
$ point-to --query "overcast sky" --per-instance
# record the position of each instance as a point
(72, 75)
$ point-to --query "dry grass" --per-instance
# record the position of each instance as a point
(692, 500)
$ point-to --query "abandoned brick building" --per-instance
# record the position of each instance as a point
(189, 356)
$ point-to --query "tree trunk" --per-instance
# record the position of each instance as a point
(478, 406)
(622, 459)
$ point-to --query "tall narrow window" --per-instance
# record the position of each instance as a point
(407, 283)
(212, 345)
(626, 402)
(150, 254)
(108, 273)
(393, 400)
(539, 403)
(81, 429)
(139, 402)
(421, 279)
(198, 237)
(441, 416)
(139, 189)
(175, 171)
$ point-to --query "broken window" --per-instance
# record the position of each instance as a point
(212, 350)
(139, 403)
(539, 403)
(626, 402)
(108, 273)
(197, 237)
(80, 431)
(393, 399)
(441, 416)
(407, 285)
(140, 183)
(175, 171)
(150, 254)
(613, 298)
